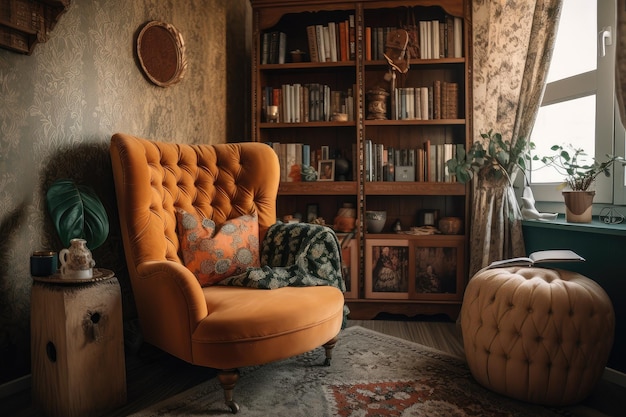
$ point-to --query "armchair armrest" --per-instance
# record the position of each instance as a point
(170, 303)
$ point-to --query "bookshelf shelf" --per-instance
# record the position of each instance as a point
(306, 65)
(364, 150)
(410, 122)
(267, 125)
(415, 61)
(318, 188)
(414, 188)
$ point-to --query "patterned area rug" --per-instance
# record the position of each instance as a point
(371, 374)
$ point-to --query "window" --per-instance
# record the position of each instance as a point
(578, 107)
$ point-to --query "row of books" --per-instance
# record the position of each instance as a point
(426, 163)
(273, 47)
(298, 103)
(435, 39)
(439, 101)
(292, 156)
(441, 39)
(333, 42)
(382, 163)
(336, 41)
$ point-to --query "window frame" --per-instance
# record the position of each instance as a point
(600, 82)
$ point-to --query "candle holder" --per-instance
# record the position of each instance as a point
(271, 115)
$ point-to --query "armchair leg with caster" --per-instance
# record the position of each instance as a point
(228, 378)
(328, 347)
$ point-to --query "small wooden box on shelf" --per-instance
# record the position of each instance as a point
(425, 116)
(77, 345)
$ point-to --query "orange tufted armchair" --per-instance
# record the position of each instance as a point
(220, 327)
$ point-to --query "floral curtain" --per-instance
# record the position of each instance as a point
(513, 42)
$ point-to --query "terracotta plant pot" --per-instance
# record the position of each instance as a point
(578, 206)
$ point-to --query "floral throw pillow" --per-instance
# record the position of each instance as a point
(213, 254)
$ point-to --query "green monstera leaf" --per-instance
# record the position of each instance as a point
(77, 212)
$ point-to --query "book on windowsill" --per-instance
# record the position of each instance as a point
(539, 257)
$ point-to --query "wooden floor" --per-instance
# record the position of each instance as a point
(153, 376)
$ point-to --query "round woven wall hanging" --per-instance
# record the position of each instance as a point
(161, 53)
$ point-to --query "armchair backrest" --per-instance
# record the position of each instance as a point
(220, 182)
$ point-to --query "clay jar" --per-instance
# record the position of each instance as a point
(450, 225)
(76, 261)
(345, 219)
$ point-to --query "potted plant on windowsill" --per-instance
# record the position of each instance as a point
(580, 174)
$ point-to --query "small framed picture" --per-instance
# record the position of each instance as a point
(387, 269)
(312, 212)
(437, 268)
(428, 217)
(326, 169)
(350, 267)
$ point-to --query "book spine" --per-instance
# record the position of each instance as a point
(273, 52)
(343, 41)
(458, 37)
(312, 40)
(352, 37)
(282, 47)
(332, 40)
(319, 32)
(326, 38)
(265, 48)
(437, 99)
(306, 154)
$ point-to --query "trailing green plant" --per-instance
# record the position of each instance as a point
(500, 159)
(77, 212)
(579, 174)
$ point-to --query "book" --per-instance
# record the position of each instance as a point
(352, 37)
(343, 41)
(539, 257)
(458, 37)
(282, 48)
(312, 41)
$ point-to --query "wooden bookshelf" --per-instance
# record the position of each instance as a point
(429, 274)
(25, 23)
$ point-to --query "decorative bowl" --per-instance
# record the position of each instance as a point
(375, 220)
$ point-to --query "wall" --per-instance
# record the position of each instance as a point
(60, 106)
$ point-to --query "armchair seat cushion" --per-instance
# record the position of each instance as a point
(241, 324)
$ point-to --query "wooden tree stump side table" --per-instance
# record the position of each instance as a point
(77, 345)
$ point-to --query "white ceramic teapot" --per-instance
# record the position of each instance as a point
(76, 261)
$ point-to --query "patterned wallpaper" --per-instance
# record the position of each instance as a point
(60, 106)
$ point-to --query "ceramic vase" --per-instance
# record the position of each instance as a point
(578, 206)
(76, 261)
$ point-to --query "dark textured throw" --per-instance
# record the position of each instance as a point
(296, 255)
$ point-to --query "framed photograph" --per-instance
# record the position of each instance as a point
(428, 217)
(326, 169)
(350, 267)
(387, 269)
(437, 268)
(312, 211)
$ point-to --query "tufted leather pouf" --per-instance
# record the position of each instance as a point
(535, 334)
